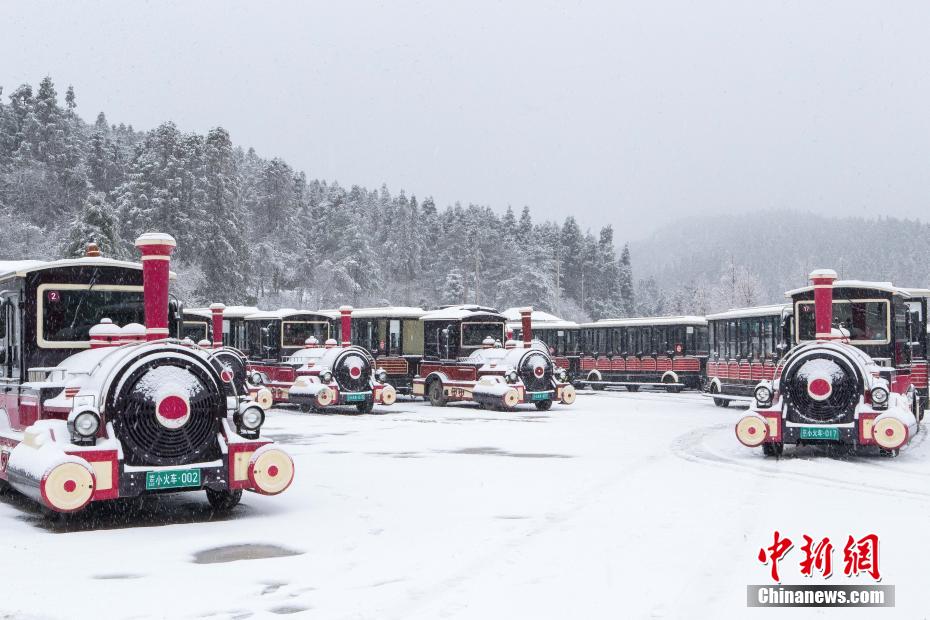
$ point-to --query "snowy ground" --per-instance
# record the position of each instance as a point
(621, 506)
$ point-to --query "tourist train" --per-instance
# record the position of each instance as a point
(101, 400)
(855, 372)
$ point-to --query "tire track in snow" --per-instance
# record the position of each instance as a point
(690, 447)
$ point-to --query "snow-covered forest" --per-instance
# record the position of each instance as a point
(254, 230)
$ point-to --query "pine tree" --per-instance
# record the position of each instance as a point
(96, 222)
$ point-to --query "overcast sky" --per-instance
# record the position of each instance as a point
(630, 113)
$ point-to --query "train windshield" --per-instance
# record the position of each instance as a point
(473, 334)
(195, 330)
(67, 313)
(295, 333)
(862, 321)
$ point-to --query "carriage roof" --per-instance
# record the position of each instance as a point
(750, 312)
(229, 312)
(386, 312)
(461, 313)
(284, 313)
(885, 287)
(200, 313)
(648, 321)
(21, 268)
(540, 320)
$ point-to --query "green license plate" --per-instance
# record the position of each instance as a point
(815, 432)
(353, 398)
(540, 396)
(172, 479)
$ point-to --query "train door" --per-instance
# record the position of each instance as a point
(412, 332)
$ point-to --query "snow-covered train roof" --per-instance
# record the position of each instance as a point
(648, 320)
(229, 312)
(753, 311)
(20, 268)
(886, 287)
(282, 313)
(200, 313)
(540, 319)
(458, 313)
(387, 312)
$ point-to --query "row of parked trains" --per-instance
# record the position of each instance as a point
(110, 388)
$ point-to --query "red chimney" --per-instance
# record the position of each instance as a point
(823, 279)
(526, 318)
(156, 251)
(346, 313)
(217, 311)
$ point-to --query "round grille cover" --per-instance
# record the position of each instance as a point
(353, 371)
(166, 412)
(536, 371)
(821, 387)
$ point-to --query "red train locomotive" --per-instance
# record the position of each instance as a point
(92, 411)
(493, 375)
(322, 373)
(848, 379)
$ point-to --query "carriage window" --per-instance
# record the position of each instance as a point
(473, 334)
(768, 329)
(10, 319)
(864, 321)
(195, 330)
(66, 314)
(732, 340)
(700, 345)
(659, 340)
(295, 333)
(755, 338)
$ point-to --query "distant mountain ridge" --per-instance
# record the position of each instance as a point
(780, 248)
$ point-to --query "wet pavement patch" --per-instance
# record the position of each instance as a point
(288, 609)
(234, 553)
(490, 451)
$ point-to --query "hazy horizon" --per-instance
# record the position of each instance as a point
(631, 114)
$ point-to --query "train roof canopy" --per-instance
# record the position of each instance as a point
(284, 313)
(649, 320)
(21, 268)
(386, 312)
(540, 319)
(460, 313)
(886, 287)
(754, 311)
(229, 312)
(201, 313)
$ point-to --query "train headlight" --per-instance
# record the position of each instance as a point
(249, 420)
(326, 376)
(763, 395)
(256, 378)
(880, 397)
(84, 425)
(381, 375)
(512, 376)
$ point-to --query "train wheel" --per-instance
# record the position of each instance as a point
(223, 501)
(889, 454)
(773, 449)
(720, 402)
(544, 405)
(436, 396)
(672, 389)
(365, 407)
(632, 388)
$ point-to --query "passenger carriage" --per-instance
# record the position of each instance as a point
(667, 352)
(746, 345)
(94, 405)
(848, 378)
(466, 360)
(234, 326)
(394, 337)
